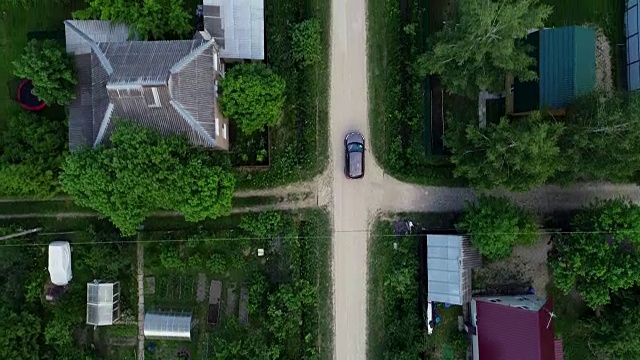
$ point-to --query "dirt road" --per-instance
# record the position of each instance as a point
(351, 198)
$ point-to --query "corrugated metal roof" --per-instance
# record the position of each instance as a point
(567, 66)
(508, 333)
(237, 26)
(170, 325)
(449, 260)
(146, 62)
(80, 35)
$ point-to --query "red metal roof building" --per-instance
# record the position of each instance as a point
(514, 328)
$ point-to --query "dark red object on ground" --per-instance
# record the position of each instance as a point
(26, 98)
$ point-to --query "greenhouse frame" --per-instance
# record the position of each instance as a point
(103, 303)
(168, 325)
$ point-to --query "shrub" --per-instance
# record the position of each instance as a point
(495, 226)
(307, 42)
(252, 96)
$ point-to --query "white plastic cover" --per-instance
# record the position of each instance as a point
(60, 262)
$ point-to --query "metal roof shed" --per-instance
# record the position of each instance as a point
(450, 259)
(103, 303)
(168, 325)
(237, 27)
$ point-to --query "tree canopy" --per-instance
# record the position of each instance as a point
(614, 332)
(142, 171)
(495, 226)
(483, 44)
(599, 256)
(516, 154)
(157, 19)
(50, 69)
(602, 137)
(252, 96)
(34, 149)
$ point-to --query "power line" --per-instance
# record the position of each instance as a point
(299, 237)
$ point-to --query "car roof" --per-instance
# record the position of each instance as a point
(355, 164)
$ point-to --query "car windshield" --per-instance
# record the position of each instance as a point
(355, 147)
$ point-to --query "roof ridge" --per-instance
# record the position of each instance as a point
(195, 125)
(191, 56)
(94, 45)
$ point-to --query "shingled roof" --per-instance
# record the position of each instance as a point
(166, 85)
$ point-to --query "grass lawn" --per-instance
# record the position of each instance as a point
(15, 24)
(606, 14)
(447, 342)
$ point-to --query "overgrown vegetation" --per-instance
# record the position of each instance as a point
(41, 330)
(399, 96)
(252, 96)
(495, 225)
(50, 69)
(307, 42)
(148, 20)
(298, 147)
(288, 307)
(33, 151)
(142, 171)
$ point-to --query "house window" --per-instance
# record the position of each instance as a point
(224, 131)
(494, 300)
(217, 127)
(215, 61)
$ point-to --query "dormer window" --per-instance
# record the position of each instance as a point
(152, 97)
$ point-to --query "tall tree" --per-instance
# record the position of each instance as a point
(157, 19)
(600, 255)
(252, 96)
(495, 226)
(47, 64)
(142, 171)
(602, 137)
(483, 44)
(515, 154)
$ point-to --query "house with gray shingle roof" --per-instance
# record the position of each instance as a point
(167, 85)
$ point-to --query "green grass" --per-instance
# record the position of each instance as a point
(299, 144)
(447, 342)
(15, 24)
(606, 14)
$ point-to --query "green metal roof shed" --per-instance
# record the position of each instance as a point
(566, 68)
(567, 64)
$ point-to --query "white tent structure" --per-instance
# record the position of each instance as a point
(103, 303)
(168, 325)
(60, 262)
